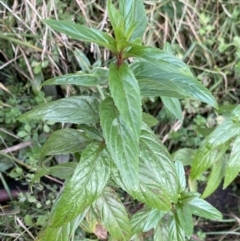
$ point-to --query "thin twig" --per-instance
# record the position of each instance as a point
(17, 147)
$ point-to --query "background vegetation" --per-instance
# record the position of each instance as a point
(205, 34)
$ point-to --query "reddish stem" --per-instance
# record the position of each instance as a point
(120, 59)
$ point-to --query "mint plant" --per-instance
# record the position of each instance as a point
(212, 153)
(118, 149)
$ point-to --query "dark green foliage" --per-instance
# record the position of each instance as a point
(125, 153)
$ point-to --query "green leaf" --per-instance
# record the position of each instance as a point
(96, 77)
(92, 133)
(233, 164)
(151, 88)
(149, 119)
(175, 83)
(186, 196)
(185, 155)
(65, 141)
(145, 220)
(203, 209)
(82, 60)
(205, 157)
(153, 219)
(160, 59)
(63, 233)
(149, 191)
(90, 222)
(113, 215)
(235, 115)
(126, 96)
(181, 176)
(173, 106)
(135, 20)
(77, 109)
(139, 219)
(224, 132)
(136, 237)
(169, 230)
(183, 217)
(167, 47)
(157, 166)
(121, 144)
(150, 188)
(161, 233)
(81, 190)
(62, 171)
(215, 178)
(83, 33)
(176, 233)
(116, 20)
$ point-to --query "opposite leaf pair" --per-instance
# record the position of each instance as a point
(121, 152)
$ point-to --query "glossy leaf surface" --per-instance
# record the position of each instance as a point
(173, 106)
(121, 143)
(203, 209)
(62, 171)
(150, 188)
(176, 233)
(82, 33)
(85, 185)
(169, 230)
(181, 176)
(185, 155)
(135, 20)
(158, 167)
(215, 177)
(181, 83)
(90, 222)
(65, 141)
(116, 20)
(153, 219)
(149, 191)
(96, 77)
(113, 215)
(82, 60)
(62, 233)
(187, 196)
(233, 164)
(152, 88)
(77, 109)
(126, 96)
(92, 132)
(160, 59)
(149, 119)
(139, 219)
(161, 233)
(205, 157)
(183, 217)
(224, 132)
(145, 220)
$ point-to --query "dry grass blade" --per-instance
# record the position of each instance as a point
(4, 88)
(24, 227)
(17, 147)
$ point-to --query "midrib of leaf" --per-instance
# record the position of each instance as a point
(128, 101)
(166, 172)
(157, 157)
(149, 189)
(119, 227)
(92, 35)
(91, 106)
(83, 186)
(120, 130)
(99, 151)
